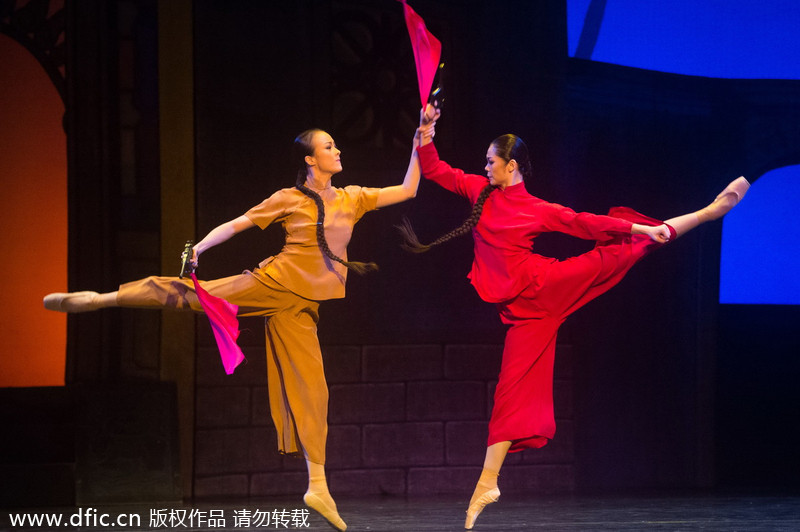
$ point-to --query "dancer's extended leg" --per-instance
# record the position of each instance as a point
(319, 498)
(79, 301)
(253, 297)
(724, 202)
(486, 491)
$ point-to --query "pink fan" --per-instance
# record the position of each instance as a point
(427, 51)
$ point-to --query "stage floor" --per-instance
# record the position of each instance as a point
(672, 512)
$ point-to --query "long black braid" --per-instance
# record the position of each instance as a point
(411, 242)
(303, 147)
(507, 147)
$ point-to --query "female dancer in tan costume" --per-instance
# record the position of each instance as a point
(286, 289)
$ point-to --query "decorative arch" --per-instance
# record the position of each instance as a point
(39, 26)
(759, 255)
(33, 215)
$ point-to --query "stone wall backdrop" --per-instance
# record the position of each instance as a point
(404, 419)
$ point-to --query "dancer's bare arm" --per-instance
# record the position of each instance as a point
(408, 189)
(220, 234)
(404, 191)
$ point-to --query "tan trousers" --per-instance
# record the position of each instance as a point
(298, 392)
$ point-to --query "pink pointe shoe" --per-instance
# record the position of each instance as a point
(728, 198)
(474, 510)
(71, 301)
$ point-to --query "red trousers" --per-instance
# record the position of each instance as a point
(523, 400)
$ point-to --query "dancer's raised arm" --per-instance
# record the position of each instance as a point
(428, 120)
(408, 189)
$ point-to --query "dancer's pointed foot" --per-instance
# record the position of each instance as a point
(477, 506)
(71, 301)
(727, 199)
(322, 502)
(737, 187)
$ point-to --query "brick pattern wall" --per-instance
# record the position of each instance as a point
(404, 420)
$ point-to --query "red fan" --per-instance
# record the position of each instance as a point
(427, 51)
(222, 316)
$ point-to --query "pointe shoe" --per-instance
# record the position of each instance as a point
(330, 514)
(71, 301)
(493, 495)
(728, 198)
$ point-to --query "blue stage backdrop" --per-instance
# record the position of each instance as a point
(710, 39)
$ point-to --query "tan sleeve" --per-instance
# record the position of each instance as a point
(272, 209)
(363, 199)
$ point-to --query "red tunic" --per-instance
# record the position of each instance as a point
(534, 294)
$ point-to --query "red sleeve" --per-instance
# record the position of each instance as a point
(583, 224)
(453, 179)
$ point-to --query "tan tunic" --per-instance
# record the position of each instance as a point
(285, 289)
(301, 265)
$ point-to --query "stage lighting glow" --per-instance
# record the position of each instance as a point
(760, 258)
(722, 39)
(715, 38)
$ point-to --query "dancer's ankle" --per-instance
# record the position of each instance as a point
(486, 482)
(319, 499)
(486, 492)
(108, 299)
(725, 201)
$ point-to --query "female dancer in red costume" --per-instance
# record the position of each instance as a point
(535, 294)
